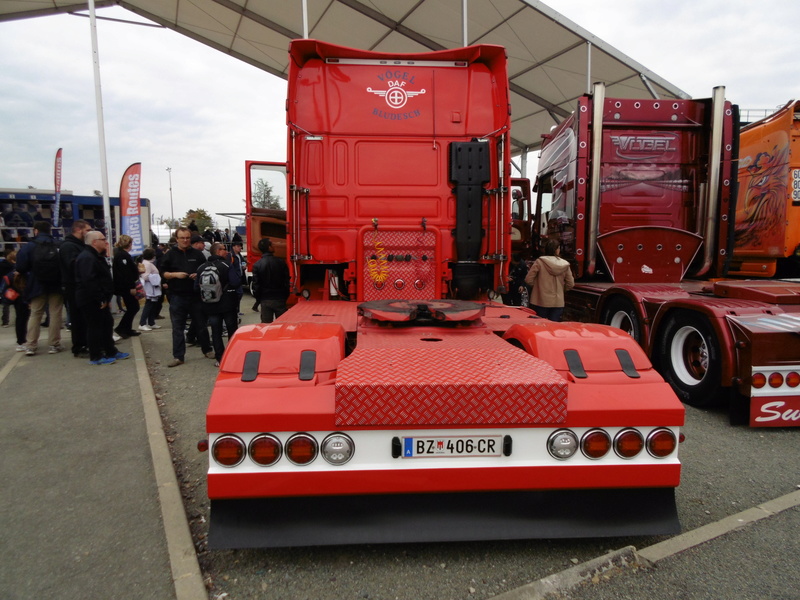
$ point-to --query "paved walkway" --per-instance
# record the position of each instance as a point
(89, 506)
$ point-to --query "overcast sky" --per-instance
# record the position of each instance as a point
(172, 102)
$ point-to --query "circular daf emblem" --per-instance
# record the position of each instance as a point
(396, 97)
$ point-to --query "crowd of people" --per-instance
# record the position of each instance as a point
(202, 283)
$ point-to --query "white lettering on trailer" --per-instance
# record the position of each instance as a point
(772, 410)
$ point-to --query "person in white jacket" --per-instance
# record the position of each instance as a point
(151, 282)
(549, 277)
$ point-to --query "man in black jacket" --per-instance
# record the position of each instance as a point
(94, 288)
(225, 309)
(270, 282)
(179, 271)
(70, 248)
(38, 261)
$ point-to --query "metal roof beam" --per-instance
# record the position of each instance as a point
(249, 14)
(528, 95)
(55, 10)
(392, 24)
(199, 38)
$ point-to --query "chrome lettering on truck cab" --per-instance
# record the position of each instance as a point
(641, 147)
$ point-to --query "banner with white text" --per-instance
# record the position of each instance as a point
(129, 204)
(57, 182)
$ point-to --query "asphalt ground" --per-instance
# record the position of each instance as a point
(91, 506)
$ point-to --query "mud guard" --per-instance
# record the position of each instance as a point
(466, 517)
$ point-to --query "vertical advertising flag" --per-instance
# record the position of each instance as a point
(57, 178)
(130, 206)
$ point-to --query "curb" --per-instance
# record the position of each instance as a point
(628, 556)
(706, 533)
(565, 580)
(186, 575)
(10, 366)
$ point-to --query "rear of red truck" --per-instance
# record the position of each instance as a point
(395, 402)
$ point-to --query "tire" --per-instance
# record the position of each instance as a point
(621, 313)
(687, 354)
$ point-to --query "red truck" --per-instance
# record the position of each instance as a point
(642, 197)
(394, 401)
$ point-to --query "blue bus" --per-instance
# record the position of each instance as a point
(21, 208)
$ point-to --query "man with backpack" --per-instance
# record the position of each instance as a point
(217, 282)
(39, 261)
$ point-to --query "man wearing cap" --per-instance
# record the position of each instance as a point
(179, 270)
(198, 243)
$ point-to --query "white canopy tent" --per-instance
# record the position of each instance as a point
(552, 61)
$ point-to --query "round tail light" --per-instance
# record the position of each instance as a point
(661, 443)
(628, 443)
(759, 380)
(337, 448)
(775, 380)
(265, 450)
(301, 449)
(228, 450)
(562, 444)
(595, 443)
(793, 379)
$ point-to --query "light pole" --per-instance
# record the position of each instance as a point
(171, 209)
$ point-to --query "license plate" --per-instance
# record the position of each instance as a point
(452, 446)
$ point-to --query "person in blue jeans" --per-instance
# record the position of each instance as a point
(151, 282)
(94, 289)
(178, 273)
(224, 310)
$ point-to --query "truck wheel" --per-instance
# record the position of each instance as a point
(621, 313)
(688, 357)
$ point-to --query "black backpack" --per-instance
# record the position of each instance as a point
(46, 264)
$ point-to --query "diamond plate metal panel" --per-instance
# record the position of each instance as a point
(455, 379)
(399, 265)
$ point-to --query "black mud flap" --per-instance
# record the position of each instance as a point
(384, 519)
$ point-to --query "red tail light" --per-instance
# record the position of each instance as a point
(628, 443)
(775, 380)
(661, 443)
(265, 450)
(301, 449)
(793, 379)
(228, 450)
(595, 443)
(759, 380)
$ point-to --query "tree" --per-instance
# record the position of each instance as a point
(171, 223)
(201, 218)
(263, 196)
